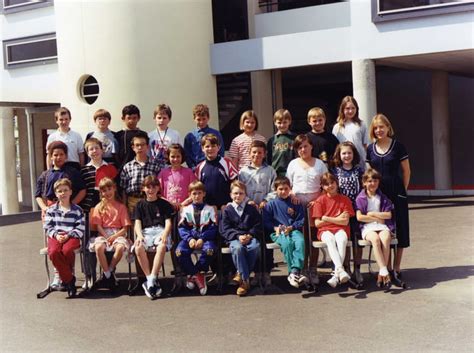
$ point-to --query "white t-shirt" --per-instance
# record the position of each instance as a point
(355, 133)
(73, 141)
(161, 140)
(305, 181)
(373, 205)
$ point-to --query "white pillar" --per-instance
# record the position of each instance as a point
(8, 182)
(364, 88)
(441, 131)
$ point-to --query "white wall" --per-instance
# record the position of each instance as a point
(34, 83)
(362, 40)
(141, 52)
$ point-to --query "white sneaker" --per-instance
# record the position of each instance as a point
(302, 279)
(333, 281)
(256, 279)
(57, 284)
(343, 276)
(266, 279)
(190, 283)
(293, 278)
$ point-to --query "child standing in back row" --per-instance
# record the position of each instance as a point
(239, 151)
(130, 118)
(324, 143)
(350, 127)
(280, 146)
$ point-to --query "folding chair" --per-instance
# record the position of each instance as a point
(44, 252)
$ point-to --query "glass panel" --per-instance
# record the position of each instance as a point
(30, 51)
(391, 5)
(8, 3)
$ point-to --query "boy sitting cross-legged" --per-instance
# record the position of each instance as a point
(241, 226)
(153, 223)
(64, 226)
(285, 220)
(198, 231)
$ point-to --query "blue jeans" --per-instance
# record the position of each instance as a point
(244, 256)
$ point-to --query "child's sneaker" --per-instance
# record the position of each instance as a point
(201, 283)
(293, 278)
(237, 279)
(243, 288)
(57, 284)
(156, 289)
(302, 279)
(71, 287)
(266, 279)
(148, 291)
(190, 283)
(343, 276)
(334, 280)
(256, 279)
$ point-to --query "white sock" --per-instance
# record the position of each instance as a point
(383, 271)
(107, 274)
(111, 269)
(150, 280)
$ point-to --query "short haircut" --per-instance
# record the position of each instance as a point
(176, 147)
(281, 180)
(371, 174)
(327, 178)
(380, 118)
(259, 144)
(282, 114)
(315, 113)
(102, 113)
(130, 110)
(200, 110)
(341, 119)
(57, 145)
(162, 108)
(62, 111)
(150, 180)
(238, 184)
(141, 135)
(92, 141)
(248, 114)
(196, 185)
(336, 159)
(299, 140)
(106, 182)
(62, 182)
(211, 138)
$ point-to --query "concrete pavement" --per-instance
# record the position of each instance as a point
(434, 314)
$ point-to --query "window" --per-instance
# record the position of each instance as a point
(10, 6)
(30, 50)
(89, 89)
(386, 10)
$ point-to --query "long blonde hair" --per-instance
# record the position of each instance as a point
(105, 183)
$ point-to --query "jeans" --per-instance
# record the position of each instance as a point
(244, 256)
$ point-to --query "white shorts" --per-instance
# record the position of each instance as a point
(373, 227)
(153, 238)
(109, 232)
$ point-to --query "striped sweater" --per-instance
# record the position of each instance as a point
(58, 220)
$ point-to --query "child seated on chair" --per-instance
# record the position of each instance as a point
(112, 221)
(285, 220)
(64, 226)
(374, 212)
(332, 211)
(241, 226)
(153, 224)
(198, 231)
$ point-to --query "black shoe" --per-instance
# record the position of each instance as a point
(157, 289)
(397, 279)
(71, 288)
(149, 292)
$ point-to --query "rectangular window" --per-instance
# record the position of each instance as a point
(9, 6)
(30, 51)
(387, 10)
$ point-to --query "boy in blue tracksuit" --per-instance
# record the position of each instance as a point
(285, 221)
(198, 230)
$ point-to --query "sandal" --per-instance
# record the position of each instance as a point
(387, 283)
(380, 281)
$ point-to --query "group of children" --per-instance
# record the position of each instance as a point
(259, 192)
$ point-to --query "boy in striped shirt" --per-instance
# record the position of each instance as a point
(64, 226)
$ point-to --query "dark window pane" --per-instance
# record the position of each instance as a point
(92, 89)
(33, 50)
(390, 5)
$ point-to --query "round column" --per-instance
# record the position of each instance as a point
(364, 88)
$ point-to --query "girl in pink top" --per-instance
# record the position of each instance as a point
(176, 179)
(239, 151)
(112, 221)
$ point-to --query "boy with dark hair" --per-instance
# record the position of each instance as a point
(106, 137)
(153, 222)
(280, 146)
(198, 230)
(130, 117)
(215, 172)
(285, 221)
(134, 172)
(71, 138)
(192, 141)
(64, 226)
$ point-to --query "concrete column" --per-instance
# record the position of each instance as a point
(26, 185)
(8, 182)
(441, 131)
(364, 88)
